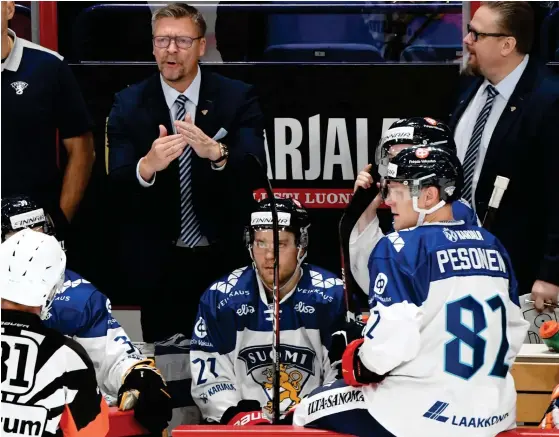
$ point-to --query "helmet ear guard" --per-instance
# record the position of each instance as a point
(246, 236)
(303, 239)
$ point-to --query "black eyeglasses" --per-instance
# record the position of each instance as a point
(476, 34)
(183, 42)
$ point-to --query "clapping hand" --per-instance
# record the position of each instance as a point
(164, 150)
(203, 145)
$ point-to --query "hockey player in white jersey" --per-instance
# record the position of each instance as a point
(407, 132)
(445, 324)
(83, 313)
(230, 351)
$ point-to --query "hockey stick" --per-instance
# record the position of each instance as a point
(357, 205)
(276, 414)
(499, 188)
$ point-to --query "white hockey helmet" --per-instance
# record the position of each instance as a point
(32, 266)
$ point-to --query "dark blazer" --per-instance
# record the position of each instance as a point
(222, 200)
(525, 148)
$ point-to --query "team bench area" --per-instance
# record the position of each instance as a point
(535, 372)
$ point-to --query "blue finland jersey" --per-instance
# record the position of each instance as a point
(433, 252)
(82, 312)
(463, 211)
(363, 243)
(231, 344)
(445, 327)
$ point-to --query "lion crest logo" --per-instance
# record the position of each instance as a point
(296, 367)
(290, 385)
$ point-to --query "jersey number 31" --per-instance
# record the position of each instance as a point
(470, 336)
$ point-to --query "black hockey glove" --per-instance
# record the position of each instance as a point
(144, 389)
(247, 412)
(340, 340)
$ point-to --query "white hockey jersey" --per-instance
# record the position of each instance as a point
(446, 326)
(83, 313)
(361, 245)
(230, 351)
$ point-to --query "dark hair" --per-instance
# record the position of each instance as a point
(515, 19)
(181, 10)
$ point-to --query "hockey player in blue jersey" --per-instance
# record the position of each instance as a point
(230, 351)
(83, 313)
(407, 132)
(445, 324)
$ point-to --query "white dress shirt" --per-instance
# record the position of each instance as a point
(192, 93)
(465, 126)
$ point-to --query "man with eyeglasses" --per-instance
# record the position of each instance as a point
(178, 145)
(509, 114)
(231, 361)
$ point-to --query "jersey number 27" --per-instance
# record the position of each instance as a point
(471, 337)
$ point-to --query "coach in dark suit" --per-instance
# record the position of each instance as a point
(178, 145)
(506, 124)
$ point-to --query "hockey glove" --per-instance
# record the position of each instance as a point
(144, 389)
(354, 371)
(340, 340)
(245, 413)
(551, 417)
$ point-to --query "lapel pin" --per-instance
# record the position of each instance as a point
(512, 108)
(204, 111)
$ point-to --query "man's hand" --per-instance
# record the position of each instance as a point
(202, 144)
(144, 390)
(164, 150)
(365, 180)
(544, 292)
(340, 340)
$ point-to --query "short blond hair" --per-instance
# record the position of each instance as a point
(180, 10)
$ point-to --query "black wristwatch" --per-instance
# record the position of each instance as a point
(224, 153)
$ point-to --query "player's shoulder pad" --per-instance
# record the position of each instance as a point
(323, 281)
(237, 286)
(406, 248)
(395, 244)
(462, 210)
(76, 291)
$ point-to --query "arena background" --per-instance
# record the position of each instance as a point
(316, 112)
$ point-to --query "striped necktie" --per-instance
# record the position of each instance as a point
(470, 159)
(190, 228)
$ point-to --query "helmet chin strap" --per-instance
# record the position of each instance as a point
(423, 212)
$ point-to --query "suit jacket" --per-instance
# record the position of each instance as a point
(524, 147)
(222, 200)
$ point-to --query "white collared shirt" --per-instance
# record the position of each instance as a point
(192, 93)
(465, 126)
